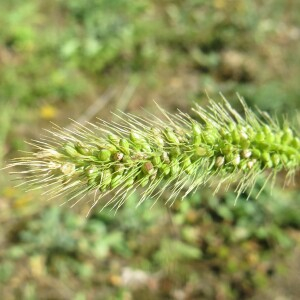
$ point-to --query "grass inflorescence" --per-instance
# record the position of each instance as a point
(175, 154)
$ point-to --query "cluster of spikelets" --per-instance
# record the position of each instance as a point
(176, 155)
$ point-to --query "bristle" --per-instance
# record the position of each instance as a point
(177, 153)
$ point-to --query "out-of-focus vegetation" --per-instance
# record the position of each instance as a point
(56, 58)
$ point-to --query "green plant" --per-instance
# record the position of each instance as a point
(156, 155)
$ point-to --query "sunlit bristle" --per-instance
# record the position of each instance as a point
(176, 153)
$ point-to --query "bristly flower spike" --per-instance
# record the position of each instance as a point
(158, 155)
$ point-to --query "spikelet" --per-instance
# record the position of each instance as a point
(175, 154)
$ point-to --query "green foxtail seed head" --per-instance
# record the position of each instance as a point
(178, 154)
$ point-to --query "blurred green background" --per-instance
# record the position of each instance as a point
(79, 59)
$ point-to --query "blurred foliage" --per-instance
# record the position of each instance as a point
(53, 49)
(55, 56)
(210, 248)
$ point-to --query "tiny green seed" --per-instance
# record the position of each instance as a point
(232, 126)
(144, 181)
(235, 159)
(278, 137)
(113, 138)
(166, 169)
(235, 136)
(110, 147)
(266, 157)
(153, 176)
(119, 168)
(196, 128)
(156, 131)
(136, 138)
(91, 170)
(287, 136)
(129, 181)
(146, 147)
(156, 160)
(244, 143)
(244, 165)
(276, 159)
(260, 136)
(82, 149)
(270, 138)
(284, 158)
(267, 130)
(107, 146)
(171, 136)
(256, 153)
(70, 149)
(180, 134)
(250, 132)
(251, 163)
(106, 177)
(226, 149)
(92, 174)
(197, 140)
(243, 136)
(246, 153)
(186, 163)
(189, 169)
(116, 180)
(200, 151)
(159, 141)
(104, 155)
(68, 169)
(295, 142)
(175, 152)
(223, 132)
(175, 168)
(165, 157)
(209, 137)
(220, 161)
(124, 145)
(228, 138)
(127, 159)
